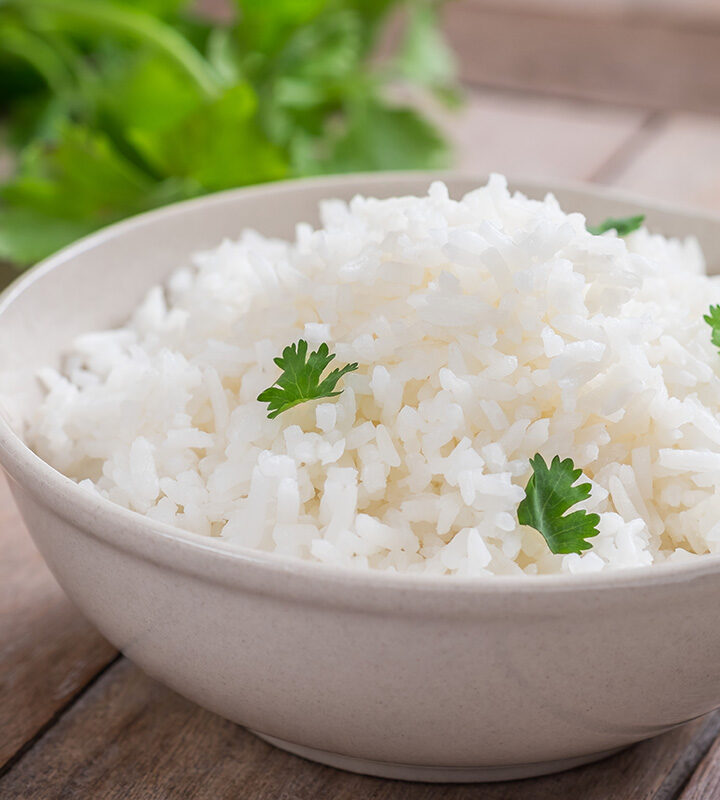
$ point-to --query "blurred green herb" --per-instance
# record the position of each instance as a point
(713, 320)
(623, 225)
(114, 108)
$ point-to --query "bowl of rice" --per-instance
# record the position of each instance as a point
(415, 475)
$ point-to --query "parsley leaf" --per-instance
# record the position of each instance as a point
(300, 379)
(623, 225)
(117, 107)
(146, 92)
(382, 137)
(66, 189)
(266, 26)
(713, 320)
(170, 104)
(205, 145)
(79, 176)
(548, 495)
(29, 235)
(425, 56)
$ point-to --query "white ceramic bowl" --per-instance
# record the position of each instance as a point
(403, 676)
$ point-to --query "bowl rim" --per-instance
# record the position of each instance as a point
(194, 553)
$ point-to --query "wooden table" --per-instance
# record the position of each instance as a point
(79, 721)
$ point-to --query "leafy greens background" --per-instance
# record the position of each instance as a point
(114, 108)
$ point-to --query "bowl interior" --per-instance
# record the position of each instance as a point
(97, 282)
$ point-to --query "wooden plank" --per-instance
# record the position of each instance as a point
(635, 59)
(48, 651)
(675, 13)
(705, 782)
(128, 737)
(537, 137)
(679, 163)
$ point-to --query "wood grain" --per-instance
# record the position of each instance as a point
(705, 782)
(634, 59)
(536, 137)
(129, 738)
(48, 652)
(678, 163)
(674, 13)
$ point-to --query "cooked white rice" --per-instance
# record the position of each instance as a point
(486, 330)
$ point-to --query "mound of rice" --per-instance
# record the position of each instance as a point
(486, 330)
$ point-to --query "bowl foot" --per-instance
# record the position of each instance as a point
(433, 774)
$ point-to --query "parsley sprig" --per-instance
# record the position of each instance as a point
(548, 495)
(713, 320)
(300, 379)
(623, 225)
(113, 108)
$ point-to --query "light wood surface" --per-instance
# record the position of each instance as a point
(671, 13)
(539, 137)
(73, 727)
(653, 55)
(679, 162)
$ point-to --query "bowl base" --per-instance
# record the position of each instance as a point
(433, 774)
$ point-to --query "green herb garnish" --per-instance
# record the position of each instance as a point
(548, 495)
(300, 379)
(623, 225)
(112, 108)
(713, 320)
